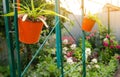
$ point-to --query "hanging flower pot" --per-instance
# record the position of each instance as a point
(29, 32)
(87, 24)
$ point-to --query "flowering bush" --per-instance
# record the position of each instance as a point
(105, 44)
(93, 38)
(109, 48)
(111, 44)
(69, 47)
(71, 52)
(47, 66)
(99, 57)
(99, 69)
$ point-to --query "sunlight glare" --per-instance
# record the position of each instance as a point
(92, 6)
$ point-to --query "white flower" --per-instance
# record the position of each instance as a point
(53, 51)
(88, 51)
(97, 66)
(94, 60)
(105, 39)
(65, 49)
(47, 43)
(69, 60)
(73, 46)
(89, 66)
(65, 41)
(86, 56)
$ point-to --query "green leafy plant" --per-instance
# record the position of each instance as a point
(78, 53)
(101, 71)
(74, 70)
(94, 17)
(33, 13)
(47, 66)
(87, 43)
(4, 71)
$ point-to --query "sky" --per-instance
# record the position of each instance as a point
(92, 6)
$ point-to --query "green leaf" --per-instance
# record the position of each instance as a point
(49, 12)
(32, 5)
(12, 13)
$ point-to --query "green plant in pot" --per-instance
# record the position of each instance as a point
(31, 20)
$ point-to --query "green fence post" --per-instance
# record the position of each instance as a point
(83, 45)
(9, 40)
(17, 40)
(58, 38)
(83, 54)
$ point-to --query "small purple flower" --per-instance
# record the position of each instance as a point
(105, 44)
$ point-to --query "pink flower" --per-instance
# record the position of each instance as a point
(111, 46)
(94, 31)
(118, 46)
(118, 57)
(105, 44)
(111, 41)
(65, 41)
(92, 34)
(87, 37)
(69, 54)
(74, 59)
(70, 39)
(107, 36)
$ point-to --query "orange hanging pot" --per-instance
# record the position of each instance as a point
(87, 24)
(29, 32)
